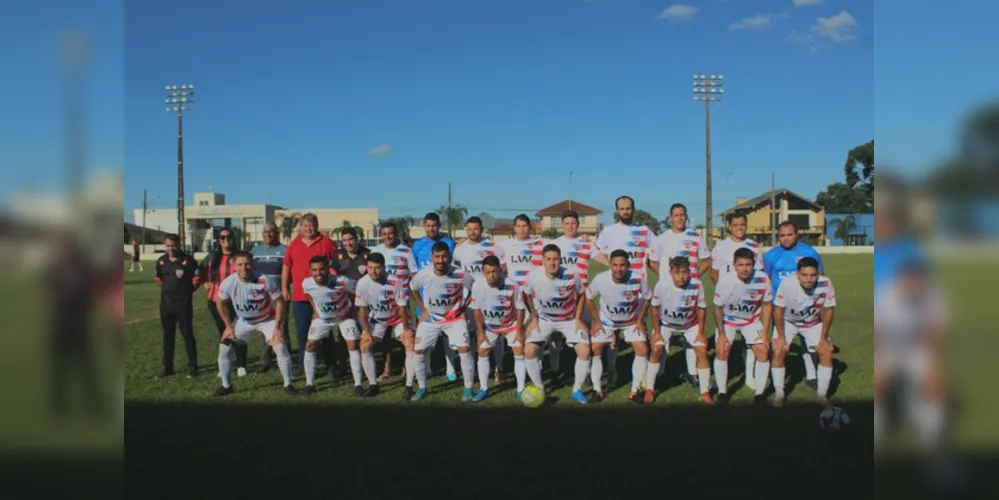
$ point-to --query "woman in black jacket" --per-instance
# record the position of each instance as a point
(215, 268)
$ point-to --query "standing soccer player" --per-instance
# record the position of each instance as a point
(444, 290)
(681, 241)
(743, 304)
(804, 306)
(624, 302)
(634, 239)
(260, 307)
(400, 265)
(331, 300)
(782, 261)
(498, 307)
(423, 255)
(680, 308)
(723, 263)
(523, 255)
(576, 255)
(558, 307)
(382, 304)
(468, 257)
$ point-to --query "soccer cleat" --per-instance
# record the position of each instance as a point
(264, 368)
(599, 396)
(452, 377)
(309, 390)
(723, 398)
(707, 399)
(407, 393)
(520, 395)
(224, 391)
(165, 374)
(290, 390)
(497, 377)
(634, 398)
(241, 371)
(192, 372)
(579, 397)
(479, 396)
(612, 379)
(419, 394)
(358, 391)
(466, 395)
(760, 400)
(650, 396)
(373, 390)
(778, 401)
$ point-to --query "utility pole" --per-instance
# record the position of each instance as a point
(570, 190)
(178, 100)
(773, 206)
(145, 208)
(708, 88)
(75, 55)
(448, 214)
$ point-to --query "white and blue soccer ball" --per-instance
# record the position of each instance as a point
(834, 420)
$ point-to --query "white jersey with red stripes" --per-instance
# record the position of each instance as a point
(522, 257)
(254, 299)
(383, 299)
(576, 255)
(554, 299)
(636, 240)
(468, 256)
(678, 305)
(723, 255)
(686, 243)
(620, 303)
(444, 295)
(499, 304)
(742, 302)
(804, 308)
(399, 262)
(332, 300)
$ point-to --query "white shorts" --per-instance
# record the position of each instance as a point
(810, 335)
(566, 328)
(492, 337)
(689, 335)
(470, 319)
(427, 333)
(378, 330)
(751, 333)
(320, 329)
(631, 334)
(244, 331)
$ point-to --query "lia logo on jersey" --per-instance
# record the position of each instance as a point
(493, 314)
(677, 315)
(384, 307)
(248, 307)
(445, 302)
(328, 307)
(806, 312)
(742, 308)
(521, 259)
(620, 310)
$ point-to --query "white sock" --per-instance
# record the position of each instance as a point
(534, 371)
(140, 268)
(555, 355)
(520, 372)
(284, 362)
(355, 366)
(467, 369)
(691, 361)
(410, 368)
(611, 358)
(721, 376)
(806, 358)
(762, 370)
(825, 376)
(421, 369)
(449, 357)
(778, 375)
(484, 373)
(596, 373)
(651, 372)
(499, 350)
(750, 373)
(704, 379)
(638, 367)
(582, 366)
(930, 420)
(309, 365)
(368, 364)
(225, 364)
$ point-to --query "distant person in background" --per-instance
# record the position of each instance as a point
(351, 261)
(423, 256)
(179, 277)
(217, 266)
(267, 259)
(135, 257)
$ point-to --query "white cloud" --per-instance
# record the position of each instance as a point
(759, 21)
(804, 3)
(678, 11)
(381, 150)
(836, 28)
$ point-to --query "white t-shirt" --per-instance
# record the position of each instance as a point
(468, 256)
(678, 306)
(499, 305)
(686, 243)
(743, 302)
(332, 300)
(253, 300)
(636, 240)
(723, 255)
(443, 296)
(554, 299)
(802, 309)
(521, 257)
(620, 303)
(383, 299)
(576, 255)
(399, 261)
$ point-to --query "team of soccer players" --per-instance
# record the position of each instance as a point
(529, 294)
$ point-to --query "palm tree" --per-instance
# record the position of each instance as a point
(550, 233)
(338, 231)
(844, 228)
(288, 224)
(452, 216)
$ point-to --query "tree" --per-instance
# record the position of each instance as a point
(452, 216)
(839, 198)
(864, 174)
(401, 229)
(338, 231)
(550, 233)
(844, 227)
(288, 224)
(643, 218)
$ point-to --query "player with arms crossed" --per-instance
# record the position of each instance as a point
(743, 304)
(624, 303)
(260, 307)
(498, 307)
(444, 290)
(804, 306)
(576, 255)
(331, 299)
(558, 298)
(382, 303)
(680, 308)
(523, 255)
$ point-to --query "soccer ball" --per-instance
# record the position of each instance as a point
(834, 419)
(533, 396)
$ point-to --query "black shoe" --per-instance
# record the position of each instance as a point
(165, 374)
(192, 371)
(358, 391)
(760, 400)
(407, 393)
(692, 381)
(224, 391)
(264, 368)
(812, 384)
(309, 390)
(722, 399)
(290, 390)
(373, 390)
(338, 373)
(612, 379)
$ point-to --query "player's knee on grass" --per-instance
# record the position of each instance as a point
(762, 353)
(583, 351)
(657, 353)
(641, 349)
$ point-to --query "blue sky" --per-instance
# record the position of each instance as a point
(502, 99)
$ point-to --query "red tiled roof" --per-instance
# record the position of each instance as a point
(508, 228)
(562, 206)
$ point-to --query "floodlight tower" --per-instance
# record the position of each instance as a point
(708, 88)
(180, 98)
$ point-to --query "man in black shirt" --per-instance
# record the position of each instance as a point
(350, 260)
(178, 276)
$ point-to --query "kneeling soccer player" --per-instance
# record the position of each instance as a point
(330, 297)
(498, 306)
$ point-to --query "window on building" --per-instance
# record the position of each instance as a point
(556, 221)
(803, 221)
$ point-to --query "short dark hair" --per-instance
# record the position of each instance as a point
(522, 217)
(618, 253)
(432, 216)
(744, 253)
(318, 259)
(474, 220)
(390, 224)
(570, 214)
(679, 262)
(676, 206)
(788, 223)
(348, 230)
(551, 247)
(736, 215)
(624, 197)
(440, 246)
(377, 258)
(808, 262)
(172, 237)
(491, 260)
(241, 253)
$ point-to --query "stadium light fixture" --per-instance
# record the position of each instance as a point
(708, 88)
(180, 99)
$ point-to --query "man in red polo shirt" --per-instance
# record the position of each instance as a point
(294, 270)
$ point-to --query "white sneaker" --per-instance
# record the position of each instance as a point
(241, 371)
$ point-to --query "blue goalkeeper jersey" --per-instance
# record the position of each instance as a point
(422, 250)
(780, 262)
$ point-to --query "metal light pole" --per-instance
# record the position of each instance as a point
(570, 190)
(75, 55)
(178, 100)
(708, 88)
